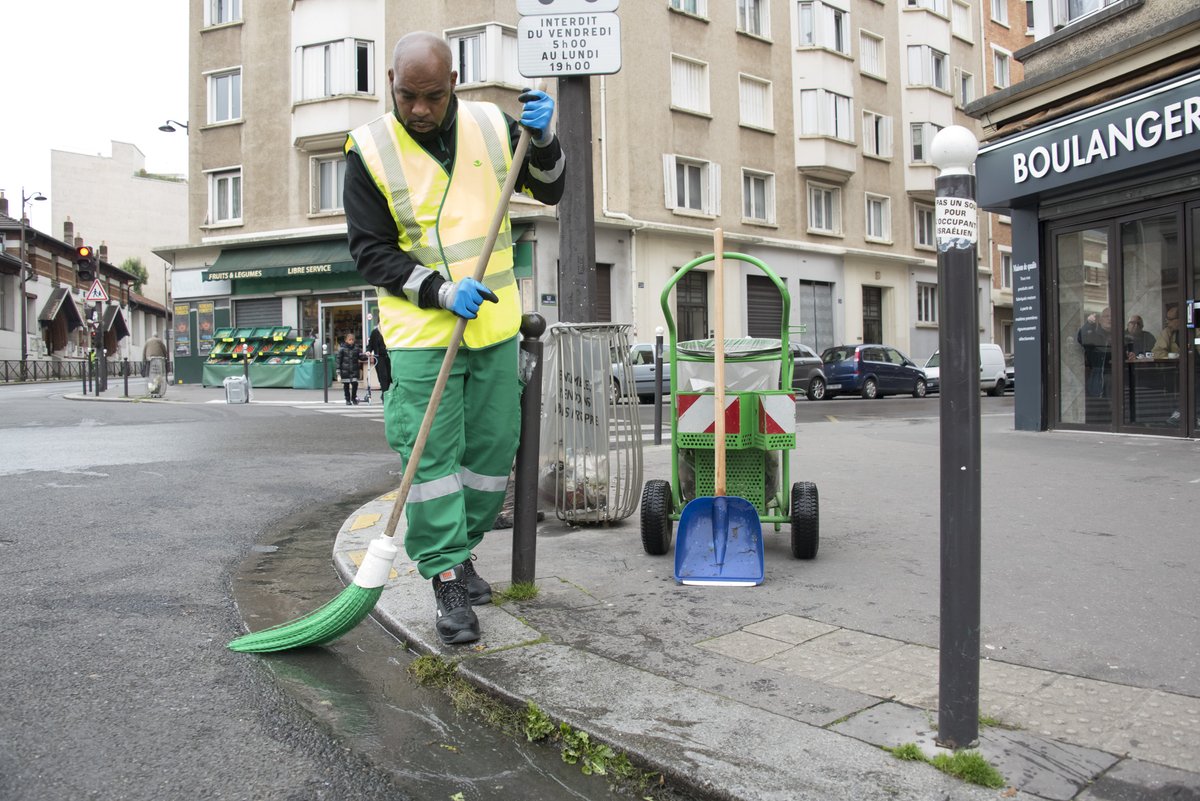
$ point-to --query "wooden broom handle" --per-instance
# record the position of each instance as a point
(719, 363)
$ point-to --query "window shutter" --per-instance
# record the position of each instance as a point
(669, 180)
(764, 307)
(715, 182)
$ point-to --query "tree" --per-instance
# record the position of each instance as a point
(135, 267)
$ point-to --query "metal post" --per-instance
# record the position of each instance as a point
(956, 221)
(85, 373)
(524, 549)
(658, 368)
(325, 368)
(576, 210)
(25, 277)
(125, 370)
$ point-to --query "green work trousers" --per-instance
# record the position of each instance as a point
(463, 472)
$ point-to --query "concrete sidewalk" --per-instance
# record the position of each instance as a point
(764, 693)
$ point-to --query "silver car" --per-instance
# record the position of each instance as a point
(641, 359)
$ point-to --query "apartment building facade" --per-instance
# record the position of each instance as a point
(800, 127)
(1095, 158)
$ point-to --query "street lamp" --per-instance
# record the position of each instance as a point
(25, 277)
(169, 128)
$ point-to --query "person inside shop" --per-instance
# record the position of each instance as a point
(422, 185)
(1138, 340)
(383, 365)
(349, 361)
(1095, 335)
(1167, 344)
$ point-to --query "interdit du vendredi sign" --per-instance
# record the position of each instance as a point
(1125, 135)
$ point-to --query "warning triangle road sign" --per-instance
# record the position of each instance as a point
(97, 292)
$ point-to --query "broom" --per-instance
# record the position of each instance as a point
(355, 602)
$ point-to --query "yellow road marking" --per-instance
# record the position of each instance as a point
(364, 521)
(357, 558)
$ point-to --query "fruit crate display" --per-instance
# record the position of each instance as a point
(223, 342)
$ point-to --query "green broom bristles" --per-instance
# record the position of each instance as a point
(333, 619)
(326, 624)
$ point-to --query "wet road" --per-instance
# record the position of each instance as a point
(124, 526)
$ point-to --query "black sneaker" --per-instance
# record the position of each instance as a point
(456, 622)
(478, 589)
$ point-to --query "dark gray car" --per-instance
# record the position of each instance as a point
(808, 373)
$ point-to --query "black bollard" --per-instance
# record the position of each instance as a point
(524, 549)
(125, 372)
(956, 223)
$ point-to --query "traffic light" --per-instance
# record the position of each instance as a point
(86, 263)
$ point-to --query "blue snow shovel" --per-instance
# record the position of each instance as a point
(720, 538)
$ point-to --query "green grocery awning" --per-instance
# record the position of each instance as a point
(290, 260)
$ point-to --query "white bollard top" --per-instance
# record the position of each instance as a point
(953, 150)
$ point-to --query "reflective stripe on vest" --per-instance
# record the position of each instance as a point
(442, 220)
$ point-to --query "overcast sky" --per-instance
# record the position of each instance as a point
(79, 74)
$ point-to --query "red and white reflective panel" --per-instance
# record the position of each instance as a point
(777, 414)
(696, 414)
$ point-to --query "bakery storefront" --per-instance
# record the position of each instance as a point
(1105, 212)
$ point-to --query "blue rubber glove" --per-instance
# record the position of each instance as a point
(465, 297)
(536, 115)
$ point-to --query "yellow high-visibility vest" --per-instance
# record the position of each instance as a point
(442, 221)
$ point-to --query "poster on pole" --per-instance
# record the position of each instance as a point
(956, 223)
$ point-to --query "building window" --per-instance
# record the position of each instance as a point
(879, 218)
(870, 54)
(877, 135)
(964, 87)
(927, 67)
(927, 304)
(329, 177)
(936, 6)
(8, 294)
(825, 113)
(1068, 11)
(758, 196)
(486, 54)
(1000, 62)
(754, 99)
(1029, 17)
(689, 84)
(225, 197)
(335, 68)
(922, 135)
(1006, 272)
(697, 7)
(753, 17)
(960, 20)
(692, 184)
(219, 12)
(225, 96)
(923, 219)
(1000, 12)
(824, 208)
(820, 24)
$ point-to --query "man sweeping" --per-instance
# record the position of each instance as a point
(422, 185)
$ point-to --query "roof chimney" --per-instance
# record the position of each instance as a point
(102, 252)
(68, 230)
(3, 204)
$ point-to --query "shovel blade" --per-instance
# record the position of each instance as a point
(719, 542)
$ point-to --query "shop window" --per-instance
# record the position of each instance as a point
(1084, 374)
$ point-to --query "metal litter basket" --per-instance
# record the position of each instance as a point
(590, 467)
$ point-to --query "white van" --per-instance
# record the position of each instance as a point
(992, 370)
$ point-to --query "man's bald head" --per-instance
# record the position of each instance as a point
(422, 80)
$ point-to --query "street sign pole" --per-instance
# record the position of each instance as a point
(956, 223)
(571, 40)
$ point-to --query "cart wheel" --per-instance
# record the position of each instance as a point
(805, 520)
(656, 517)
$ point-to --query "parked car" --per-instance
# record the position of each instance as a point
(872, 371)
(808, 372)
(994, 372)
(641, 358)
(1010, 374)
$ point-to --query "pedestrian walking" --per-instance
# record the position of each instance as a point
(422, 185)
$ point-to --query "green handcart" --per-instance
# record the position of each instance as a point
(760, 430)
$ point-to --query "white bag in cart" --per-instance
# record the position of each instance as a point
(237, 389)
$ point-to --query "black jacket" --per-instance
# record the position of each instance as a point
(349, 357)
(371, 229)
(383, 364)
